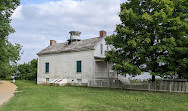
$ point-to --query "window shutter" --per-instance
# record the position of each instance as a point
(79, 66)
(101, 48)
(47, 67)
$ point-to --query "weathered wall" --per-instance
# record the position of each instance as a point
(97, 51)
(63, 66)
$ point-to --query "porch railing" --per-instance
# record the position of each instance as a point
(105, 75)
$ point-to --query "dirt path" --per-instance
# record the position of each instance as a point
(7, 90)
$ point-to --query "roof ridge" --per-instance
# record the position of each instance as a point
(80, 40)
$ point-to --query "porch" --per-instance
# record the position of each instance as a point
(103, 70)
(103, 75)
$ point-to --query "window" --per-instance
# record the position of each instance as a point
(79, 66)
(101, 48)
(107, 48)
(47, 67)
(79, 80)
(47, 80)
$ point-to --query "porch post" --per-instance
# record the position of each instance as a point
(108, 75)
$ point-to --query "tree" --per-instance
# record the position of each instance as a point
(9, 59)
(151, 38)
(28, 71)
(178, 61)
(9, 53)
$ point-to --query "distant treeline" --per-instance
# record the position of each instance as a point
(27, 71)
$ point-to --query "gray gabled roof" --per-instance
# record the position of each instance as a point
(86, 44)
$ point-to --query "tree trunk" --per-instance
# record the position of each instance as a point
(153, 78)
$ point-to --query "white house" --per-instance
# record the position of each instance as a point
(76, 62)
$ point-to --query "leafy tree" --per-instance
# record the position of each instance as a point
(178, 62)
(9, 59)
(28, 71)
(151, 38)
(9, 53)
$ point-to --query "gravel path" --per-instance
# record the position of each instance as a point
(7, 90)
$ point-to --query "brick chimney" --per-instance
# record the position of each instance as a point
(52, 42)
(102, 33)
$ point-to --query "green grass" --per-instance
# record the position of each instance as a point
(52, 98)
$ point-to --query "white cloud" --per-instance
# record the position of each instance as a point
(17, 13)
(38, 23)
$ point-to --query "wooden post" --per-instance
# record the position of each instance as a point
(186, 86)
(166, 85)
(170, 87)
(183, 86)
(108, 82)
(175, 86)
(149, 87)
(117, 79)
(180, 86)
(160, 85)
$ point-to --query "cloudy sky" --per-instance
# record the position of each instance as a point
(38, 21)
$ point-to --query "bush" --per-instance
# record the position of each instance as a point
(27, 71)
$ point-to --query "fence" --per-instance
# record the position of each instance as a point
(100, 82)
(162, 86)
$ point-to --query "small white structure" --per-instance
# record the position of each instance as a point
(13, 78)
(75, 62)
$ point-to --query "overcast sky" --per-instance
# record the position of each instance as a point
(38, 21)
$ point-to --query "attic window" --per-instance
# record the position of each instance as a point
(101, 48)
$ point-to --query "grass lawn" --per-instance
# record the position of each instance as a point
(52, 98)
